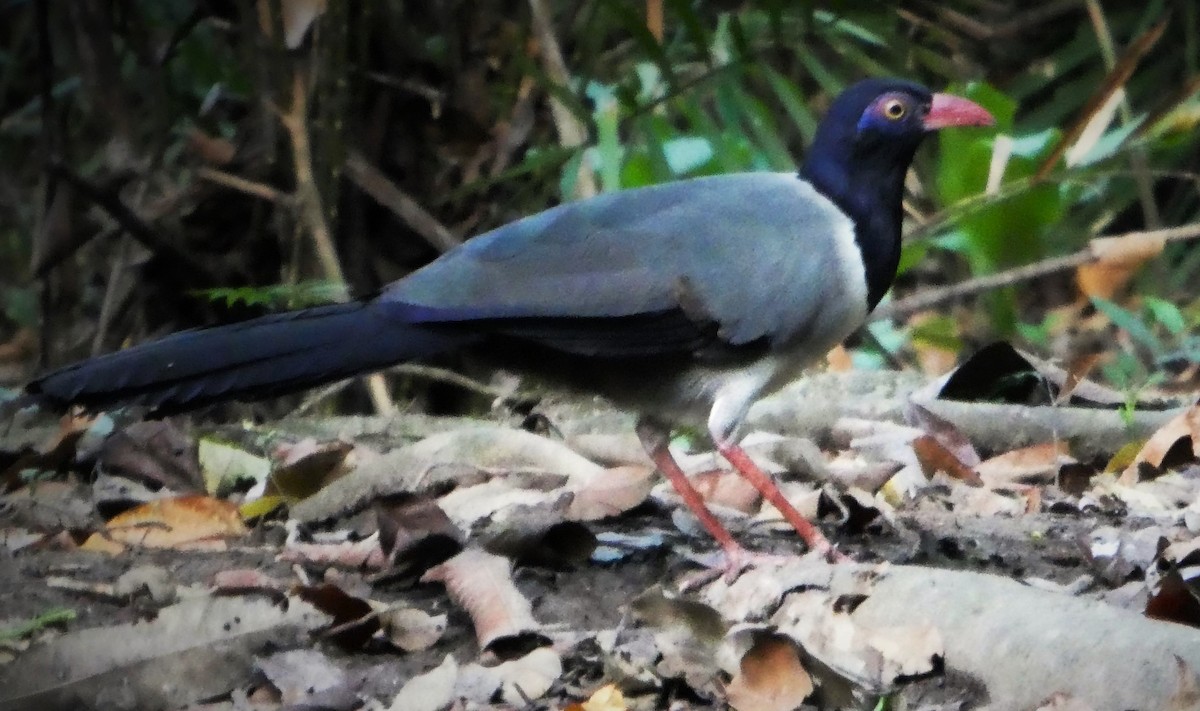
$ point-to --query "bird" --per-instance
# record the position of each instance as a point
(684, 302)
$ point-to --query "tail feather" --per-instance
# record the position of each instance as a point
(250, 360)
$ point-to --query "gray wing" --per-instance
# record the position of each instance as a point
(753, 255)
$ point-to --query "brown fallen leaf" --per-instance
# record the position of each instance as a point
(416, 531)
(612, 492)
(56, 452)
(934, 457)
(184, 523)
(1036, 463)
(354, 620)
(944, 431)
(770, 678)
(1176, 600)
(1185, 426)
(1118, 259)
(728, 489)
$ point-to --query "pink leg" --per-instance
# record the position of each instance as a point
(812, 536)
(655, 439)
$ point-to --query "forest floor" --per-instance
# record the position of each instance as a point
(427, 563)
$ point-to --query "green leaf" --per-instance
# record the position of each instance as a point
(1130, 323)
(793, 102)
(1167, 314)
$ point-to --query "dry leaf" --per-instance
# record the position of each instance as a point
(1176, 600)
(303, 467)
(224, 463)
(153, 452)
(527, 677)
(611, 493)
(364, 553)
(185, 523)
(416, 531)
(1184, 426)
(1036, 463)
(771, 677)
(354, 620)
(431, 691)
(728, 489)
(411, 629)
(481, 584)
(606, 698)
(1187, 695)
(934, 457)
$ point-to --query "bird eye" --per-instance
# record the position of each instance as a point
(894, 109)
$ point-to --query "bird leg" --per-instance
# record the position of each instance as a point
(655, 437)
(811, 535)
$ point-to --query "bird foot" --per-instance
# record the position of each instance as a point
(730, 563)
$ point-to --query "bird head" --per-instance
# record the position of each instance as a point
(872, 129)
(861, 152)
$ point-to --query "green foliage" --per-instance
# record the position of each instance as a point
(279, 296)
(1010, 229)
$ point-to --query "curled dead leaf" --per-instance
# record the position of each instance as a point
(481, 583)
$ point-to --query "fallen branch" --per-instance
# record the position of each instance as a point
(1010, 639)
(1096, 251)
(243, 185)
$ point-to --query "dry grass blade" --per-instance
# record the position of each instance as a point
(1115, 81)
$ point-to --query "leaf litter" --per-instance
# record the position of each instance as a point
(499, 566)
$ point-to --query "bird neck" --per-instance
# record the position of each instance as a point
(870, 193)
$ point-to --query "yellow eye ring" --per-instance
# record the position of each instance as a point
(894, 109)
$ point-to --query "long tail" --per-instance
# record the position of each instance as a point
(250, 360)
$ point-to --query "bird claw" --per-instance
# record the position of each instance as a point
(731, 563)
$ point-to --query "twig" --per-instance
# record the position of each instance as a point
(442, 375)
(319, 396)
(373, 182)
(571, 132)
(311, 211)
(1116, 79)
(130, 221)
(108, 305)
(250, 187)
(294, 121)
(1137, 155)
(927, 299)
(983, 31)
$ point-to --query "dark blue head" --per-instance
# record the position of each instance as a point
(862, 150)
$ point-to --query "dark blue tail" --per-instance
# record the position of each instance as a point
(250, 360)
